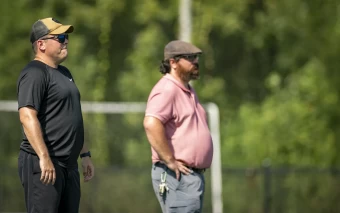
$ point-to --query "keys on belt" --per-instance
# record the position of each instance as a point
(163, 187)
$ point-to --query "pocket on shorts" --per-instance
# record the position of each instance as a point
(171, 180)
(21, 167)
(185, 206)
(36, 164)
(21, 159)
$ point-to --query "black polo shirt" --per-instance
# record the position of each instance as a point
(55, 96)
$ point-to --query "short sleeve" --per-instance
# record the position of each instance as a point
(32, 84)
(160, 105)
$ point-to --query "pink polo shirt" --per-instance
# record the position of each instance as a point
(185, 122)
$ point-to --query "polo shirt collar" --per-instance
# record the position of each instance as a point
(179, 84)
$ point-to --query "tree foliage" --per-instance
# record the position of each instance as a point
(271, 66)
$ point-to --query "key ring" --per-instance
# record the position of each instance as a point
(163, 177)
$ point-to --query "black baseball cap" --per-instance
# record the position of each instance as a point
(47, 26)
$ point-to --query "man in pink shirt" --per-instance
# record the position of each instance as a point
(177, 129)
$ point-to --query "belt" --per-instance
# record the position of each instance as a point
(200, 171)
(197, 170)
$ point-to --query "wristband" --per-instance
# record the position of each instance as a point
(85, 154)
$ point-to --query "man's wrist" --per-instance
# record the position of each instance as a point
(85, 154)
(169, 160)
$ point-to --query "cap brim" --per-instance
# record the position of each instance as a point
(168, 56)
(62, 29)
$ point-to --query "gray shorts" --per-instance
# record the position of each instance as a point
(184, 196)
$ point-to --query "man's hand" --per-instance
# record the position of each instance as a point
(155, 132)
(48, 174)
(88, 168)
(178, 167)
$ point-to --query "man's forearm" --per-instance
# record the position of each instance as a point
(156, 135)
(84, 149)
(33, 133)
(163, 150)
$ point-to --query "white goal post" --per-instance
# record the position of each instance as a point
(139, 107)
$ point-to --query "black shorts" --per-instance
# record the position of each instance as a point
(62, 197)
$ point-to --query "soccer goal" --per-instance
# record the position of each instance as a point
(139, 107)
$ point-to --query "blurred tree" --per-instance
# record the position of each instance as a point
(291, 126)
(271, 66)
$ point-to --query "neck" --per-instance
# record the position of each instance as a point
(178, 78)
(47, 61)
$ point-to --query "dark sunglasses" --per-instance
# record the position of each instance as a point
(60, 38)
(191, 57)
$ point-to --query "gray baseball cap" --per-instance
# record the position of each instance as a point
(177, 47)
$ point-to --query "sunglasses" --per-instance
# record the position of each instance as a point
(60, 38)
(191, 57)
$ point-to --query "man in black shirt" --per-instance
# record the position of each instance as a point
(53, 130)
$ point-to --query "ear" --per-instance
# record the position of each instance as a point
(173, 63)
(41, 45)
